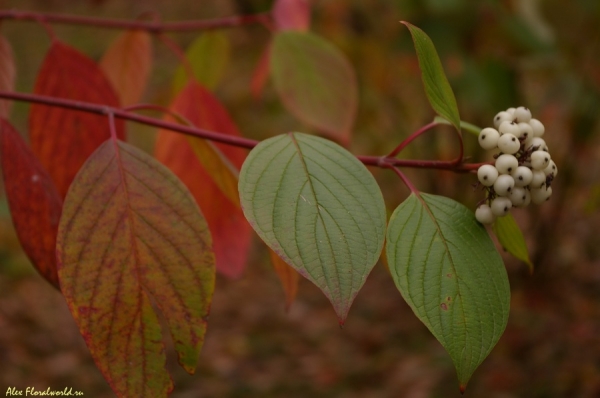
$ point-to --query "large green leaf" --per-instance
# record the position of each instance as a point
(315, 81)
(318, 208)
(448, 270)
(436, 84)
(511, 238)
(130, 236)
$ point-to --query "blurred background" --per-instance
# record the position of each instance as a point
(543, 54)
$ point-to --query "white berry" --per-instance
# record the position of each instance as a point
(487, 175)
(551, 169)
(509, 128)
(537, 127)
(508, 143)
(518, 196)
(538, 180)
(502, 117)
(484, 214)
(511, 111)
(539, 196)
(536, 143)
(540, 160)
(504, 184)
(522, 176)
(501, 206)
(488, 138)
(525, 130)
(522, 114)
(506, 163)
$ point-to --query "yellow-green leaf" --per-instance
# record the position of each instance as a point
(511, 238)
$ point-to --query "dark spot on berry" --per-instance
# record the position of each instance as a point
(509, 169)
(505, 208)
(485, 178)
(483, 137)
(509, 189)
(513, 139)
(520, 178)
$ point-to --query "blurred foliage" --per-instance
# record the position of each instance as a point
(544, 54)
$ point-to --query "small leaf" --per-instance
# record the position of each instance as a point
(292, 15)
(209, 56)
(315, 82)
(288, 277)
(130, 237)
(8, 74)
(35, 205)
(318, 208)
(436, 84)
(511, 238)
(471, 128)
(449, 272)
(63, 139)
(208, 177)
(127, 64)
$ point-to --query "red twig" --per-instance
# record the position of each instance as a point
(411, 138)
(404, 179)
(150, 26)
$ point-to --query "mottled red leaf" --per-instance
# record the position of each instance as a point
(63, 139)
(131, 239)
(230, 230)
(288, 277)
(292, 15)
(8, 73)
(127, 64)
(35, 205)
(261, 73)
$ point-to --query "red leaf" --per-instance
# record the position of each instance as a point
(230, 230)
(131, 235)
(288, 277)
(8, 73)
(35, 205)
(61, 138)
(261, 73)
(127, 64)
(292, 15)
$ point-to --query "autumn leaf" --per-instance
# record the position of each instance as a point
(292, 15)
(287, 276)
(63, 139)
(231, 233)
(261, 73)
(35, 205)
(8, 73)
(127, 64)
(132, 237)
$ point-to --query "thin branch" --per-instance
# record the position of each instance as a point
(150, 26)
(404, 179)
(410, 138)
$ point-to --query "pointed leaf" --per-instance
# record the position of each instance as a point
(261, 73)
(35, 205)
(130, 237)
(292, 15)
(8, 74)
(231, 233)
(288, 277)
(449, 272)
(511, 238)
(315, 82)
(127, 64)
(63, 139)
(436, 84)
(209, 56)
(318, 208)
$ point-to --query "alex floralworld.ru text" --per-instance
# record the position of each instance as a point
(32, 392)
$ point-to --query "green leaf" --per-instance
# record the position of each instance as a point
(131, 237)
(318, 208)
(436, 84)
(315, 82)
(471, 128)
(449, 272)
(208, 55)
(511, 238)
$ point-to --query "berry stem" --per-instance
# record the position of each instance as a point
(411, 138)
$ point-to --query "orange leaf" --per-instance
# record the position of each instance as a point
(127, 64)
(61, 138)
(288, 277)
(230, 230)
(292, 15)
(8, 73)
(35, 205)
(132, 236)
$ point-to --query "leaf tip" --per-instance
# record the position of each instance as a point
(462, 388)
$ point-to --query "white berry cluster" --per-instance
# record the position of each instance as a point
(523, 171)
